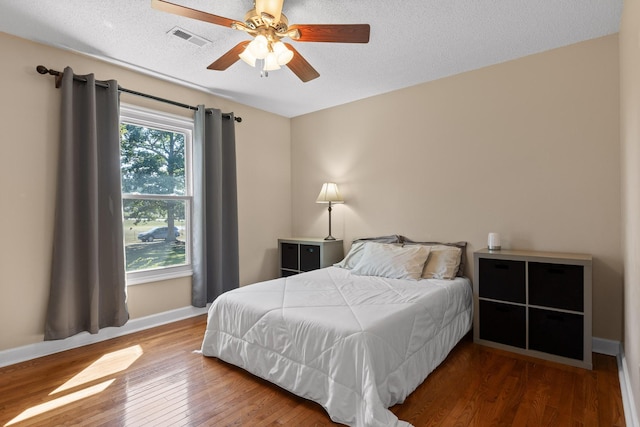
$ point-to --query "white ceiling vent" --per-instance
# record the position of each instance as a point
(186, 35)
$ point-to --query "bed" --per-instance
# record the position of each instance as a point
(352, 341)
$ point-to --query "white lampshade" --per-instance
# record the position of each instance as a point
(248, 57)
(329, 193)
(272, 7)
(271, 62)
(259, 47)
(283, 54)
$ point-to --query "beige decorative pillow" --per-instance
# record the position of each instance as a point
(461, 245)
(443, 262)
(391, 261)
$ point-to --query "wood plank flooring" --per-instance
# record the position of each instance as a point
(154, 378)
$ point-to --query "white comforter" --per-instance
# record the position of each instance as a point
(355, 344)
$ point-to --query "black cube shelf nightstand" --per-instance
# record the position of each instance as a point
(297, 255)
(534, 303)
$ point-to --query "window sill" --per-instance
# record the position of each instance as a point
(149, 276)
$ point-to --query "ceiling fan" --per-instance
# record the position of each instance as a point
(268, 25)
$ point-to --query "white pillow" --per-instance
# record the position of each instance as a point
(355, 252)
(391, 261)
(352, 258)
(443, 262)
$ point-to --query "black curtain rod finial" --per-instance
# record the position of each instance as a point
(42, 69)
(58, 75)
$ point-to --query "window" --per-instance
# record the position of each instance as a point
(155, 160)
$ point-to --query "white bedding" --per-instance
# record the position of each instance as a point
(355, 344)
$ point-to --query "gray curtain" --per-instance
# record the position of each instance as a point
(215, 216)
(87, 276)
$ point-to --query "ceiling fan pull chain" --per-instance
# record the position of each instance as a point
(260, 64)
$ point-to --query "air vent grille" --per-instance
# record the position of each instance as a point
(190, 37)
(182, 34)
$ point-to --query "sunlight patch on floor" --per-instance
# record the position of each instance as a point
(107, 365)
(60, 401)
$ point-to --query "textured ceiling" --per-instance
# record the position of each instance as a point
(412, 41)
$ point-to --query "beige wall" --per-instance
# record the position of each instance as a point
(630, 147)
(29, 112)
(527, 148)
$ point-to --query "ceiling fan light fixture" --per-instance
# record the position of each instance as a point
(283, 54)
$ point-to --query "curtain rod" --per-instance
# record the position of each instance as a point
(58, 74)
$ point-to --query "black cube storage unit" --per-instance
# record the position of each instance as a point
(534, 303)
(298, 255)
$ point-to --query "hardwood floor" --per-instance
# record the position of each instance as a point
(154, 378)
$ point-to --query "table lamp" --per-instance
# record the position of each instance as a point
(329, 194)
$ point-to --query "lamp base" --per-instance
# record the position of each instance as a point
(329, 237)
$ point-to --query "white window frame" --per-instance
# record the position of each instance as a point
(159, 120)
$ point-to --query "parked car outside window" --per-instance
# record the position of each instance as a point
(156, 233)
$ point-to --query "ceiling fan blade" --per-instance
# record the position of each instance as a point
(337, 33)
(229, 58)
(176, 9)
(301, 67)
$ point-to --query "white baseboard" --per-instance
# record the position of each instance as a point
(44, 348)
(615, 348)
(630, 412)
(604, 346)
